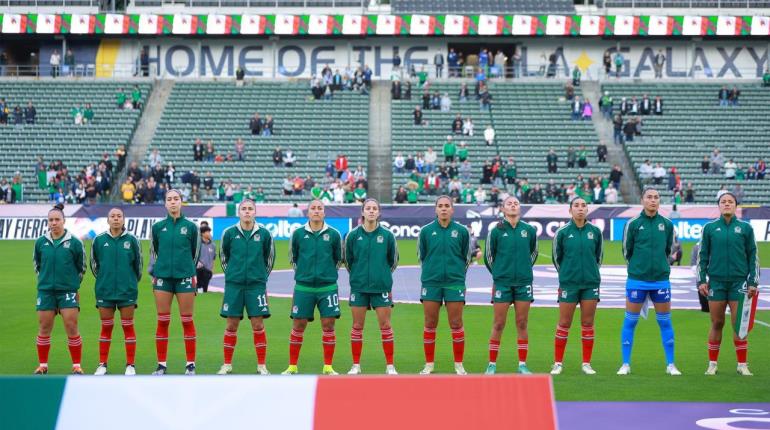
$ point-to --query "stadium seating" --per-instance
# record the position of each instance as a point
(483, 6)
(699, 4)
(255, 3)
(55, 136)
(315, 130)
(528, 118)
(693, 124)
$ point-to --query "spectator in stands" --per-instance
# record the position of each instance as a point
(76, 113)
(582, 157)
(239, 75)
(435, 101)
(399, 163)
(55, 63)
(740, 173)
(430, 160)
(30, 113)
(674, 180)
(277, 156)
(268, 128)
(619, 61)
(468, 126)
(657, 106)
(552, 58)
(552, 161)
(462, 152)
(576, 108)
(298, 185)
(239, 149)
(426, 99)
(633, 106)
(730, 167)
(658, 62)
(3, 111)
(751, 173)
(601, 152)
(607, 62)
(465, 170)
(170, 174)
(18, 116)
(705, 165)
(208, 184)
(155, 158)
(569, 91)
(395, 90)
(417, 115)
(617, 129)
(717, 161)
(629, 129)
(576, 75)
(88, 114)
(463, 93)
(127, 190)
(431, 183)
(400, 197)
(485, 99)
(198, 150)
(571, 157)
(646, 172)
(289, 158)
(733, 97)
(210, 152)
(3, 64)
(69, 62)
(449, 150)
(340, 165)
(480, 195)
(134, 172)
(658, 173)
(724, 95)
(446, 103)
(457, 124)
(645, 107)
(761, 168)
(136, 97)
(611, 194)
(489, 135)
(605, 105)
(255, 124)
(588, 111)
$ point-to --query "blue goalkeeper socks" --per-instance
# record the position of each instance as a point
(666, 334)
(627, 335)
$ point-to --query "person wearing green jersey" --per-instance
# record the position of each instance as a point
(59, 261)
(728, 268)
(316, 253)
(371, 256)
(444, 251)
(174, 250)
(510, 252)
(577, 255)
(247, 255)
(116, 262)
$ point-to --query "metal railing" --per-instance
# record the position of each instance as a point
(686, 4)
(50, 3)
(252, 3)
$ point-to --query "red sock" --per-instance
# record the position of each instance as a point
(329, 340)
(260, 344)
(130, 336)
(560, 343)
(295, 344)
(105, 339)
(161, 337)
(75, 345)
(43, 347)
(231, 338)
(356, 343)
(429, 343)
(523, 347)
(494, 348)
(458, 344)
(714, 350)
(188, 326)
(741, 350)
(587, 336)
(387, 344)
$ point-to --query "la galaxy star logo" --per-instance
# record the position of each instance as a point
(183, 230)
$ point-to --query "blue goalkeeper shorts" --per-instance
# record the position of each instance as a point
(657, 291)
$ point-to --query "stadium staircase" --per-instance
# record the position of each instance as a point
(54, 135)
(380, 164)
(693, 124)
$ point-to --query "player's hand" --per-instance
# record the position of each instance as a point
(194, 281)
(154, 280)
(752, 292)
(704, 289)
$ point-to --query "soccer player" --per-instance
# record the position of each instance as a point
(371, 256)
(510, 252)
(647, 241)
(247, 254)
(60, 262)
(443, 248)
(577, 255)
(174, 249)
(315, 252)
(116, 262)
(728, 266)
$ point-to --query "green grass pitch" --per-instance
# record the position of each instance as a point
(647, 383)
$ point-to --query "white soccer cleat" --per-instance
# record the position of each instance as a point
(672, 370)
(459, 369)
(743, 370)
(712, 369)
(556, 369)
(262, 370)
(101, 370)
(587, 369)
(130, 370)
(226, 369)
(390, 370)
(625, 369)
(355, 370)
(427, 370)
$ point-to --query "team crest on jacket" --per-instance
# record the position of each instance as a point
(380, 239)
(67, 244)
(256, 238)
(661, 227)
(454, 233)
(590, 235)
(737, 229)
(126, 245)
(183, 230)
(326, 237)
(524, 233)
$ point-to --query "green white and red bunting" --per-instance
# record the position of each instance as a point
(388, 25)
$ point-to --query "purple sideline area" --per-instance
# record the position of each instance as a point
(662, 416)
(406, 286)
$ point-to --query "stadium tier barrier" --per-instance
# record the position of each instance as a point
(298, 402)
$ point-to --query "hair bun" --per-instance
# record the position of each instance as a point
(59, 206)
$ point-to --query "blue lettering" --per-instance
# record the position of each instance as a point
(760, 61)
(704, 63)
(170, 58)
(729, 62)
(647, 55)
(669, 65)
(300, 61)
(315, 61)
(207, 58)
(244, 61)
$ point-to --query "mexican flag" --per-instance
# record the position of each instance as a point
(747, 310)
(320, 24)
(116, 24)
(760, 26)
(558, 25)
(14, 23)
(286, 24)
(252, 24)
(219, 24)
(728, 26)
(184, 24)
(660, 25)
(389, 24)
(354, 24)
(490, 25)
(456, 25)
(524, 25)
(694, 25)
(82, 23)
(149, 24)
(626, 25)
(592, 25)
(422, 25)
(48, 23)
